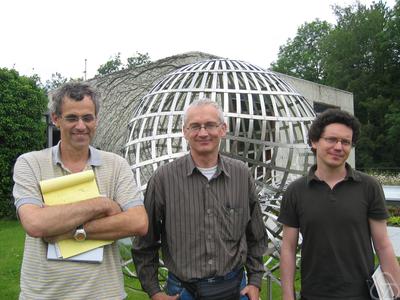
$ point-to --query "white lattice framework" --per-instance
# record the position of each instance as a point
(267, 119)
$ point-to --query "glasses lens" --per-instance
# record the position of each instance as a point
(71, 118)
(88, 118)
(195, 127)
(208, 127)
(75, 119)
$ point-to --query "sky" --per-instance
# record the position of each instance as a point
(48, 36)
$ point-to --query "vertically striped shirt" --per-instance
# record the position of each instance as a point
(206, 228)
(46, 279)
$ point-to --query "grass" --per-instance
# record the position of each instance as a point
(394, 213)
(12, 239)
(12, 242)
(385, 178)
(389, 178)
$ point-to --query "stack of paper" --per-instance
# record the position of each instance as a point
(68, 189)
(383, 288)
(94, 256)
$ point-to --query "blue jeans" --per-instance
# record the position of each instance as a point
(174, 287)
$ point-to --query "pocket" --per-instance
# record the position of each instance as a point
(226, 289)
(232, 222)
(174, 287)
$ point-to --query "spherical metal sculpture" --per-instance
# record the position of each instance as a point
(267, 122)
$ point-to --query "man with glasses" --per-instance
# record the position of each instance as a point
(204, 214)
(118, 213)
(337, 210)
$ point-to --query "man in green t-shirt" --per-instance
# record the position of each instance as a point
(337, 210)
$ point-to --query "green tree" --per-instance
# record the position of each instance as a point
(112, 65)
(115, 64)
(359, 54)
(359, 58)
(302, 56)
(22, 127)
(138, 60)
(56, 80)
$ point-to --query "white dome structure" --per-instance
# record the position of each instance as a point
(267, 123)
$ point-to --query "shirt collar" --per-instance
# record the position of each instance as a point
(221, 166)
(94, 155)
(350, 173)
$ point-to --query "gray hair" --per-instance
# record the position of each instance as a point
(204, 102)
(76, 91)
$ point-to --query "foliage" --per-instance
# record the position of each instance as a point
(394, 221)
(11, 250)
(302, 56)
(386, 178)
(112, 65)
(12, 247)
(360, 59)
(115, 64)
(56, 80)
(22, 127)
(138, 60)
(394, 211)
(359, 54)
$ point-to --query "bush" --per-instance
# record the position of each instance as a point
(394, 211)
(386, 178)
(394, 221)
(22, 128)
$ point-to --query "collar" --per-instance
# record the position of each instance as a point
(94, 156)
(350, 174)
(191, 167)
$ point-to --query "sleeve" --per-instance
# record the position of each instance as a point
(377, 203)
(257, 239)
(145, 248)
(288, 211)
(26, 188)
(127, 192)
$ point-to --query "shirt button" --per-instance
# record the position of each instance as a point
(209, 211)
(210, 261)
(207, 186)
(209, 236)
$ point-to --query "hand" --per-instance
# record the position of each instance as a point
(251, 291)
(163, 296)
(112, 207)
(55, 238)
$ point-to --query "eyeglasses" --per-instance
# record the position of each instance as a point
(331, 140)
(75, 119)
(209, 127)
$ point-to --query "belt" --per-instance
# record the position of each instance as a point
(211, 279)
(214, 282)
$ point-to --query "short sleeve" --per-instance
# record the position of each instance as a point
(127, 193)
(377, 207)
(288, 212)
(26, 188)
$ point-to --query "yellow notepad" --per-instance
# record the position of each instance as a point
(69, 189)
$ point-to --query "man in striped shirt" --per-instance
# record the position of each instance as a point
(203, 212)
(118, 213)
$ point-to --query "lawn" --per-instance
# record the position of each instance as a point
(12, 239)
(11, 248)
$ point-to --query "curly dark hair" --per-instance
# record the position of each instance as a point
(330, 116)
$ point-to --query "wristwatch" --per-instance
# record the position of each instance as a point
(80, 234)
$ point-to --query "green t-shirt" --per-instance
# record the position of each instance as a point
(337, 255)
